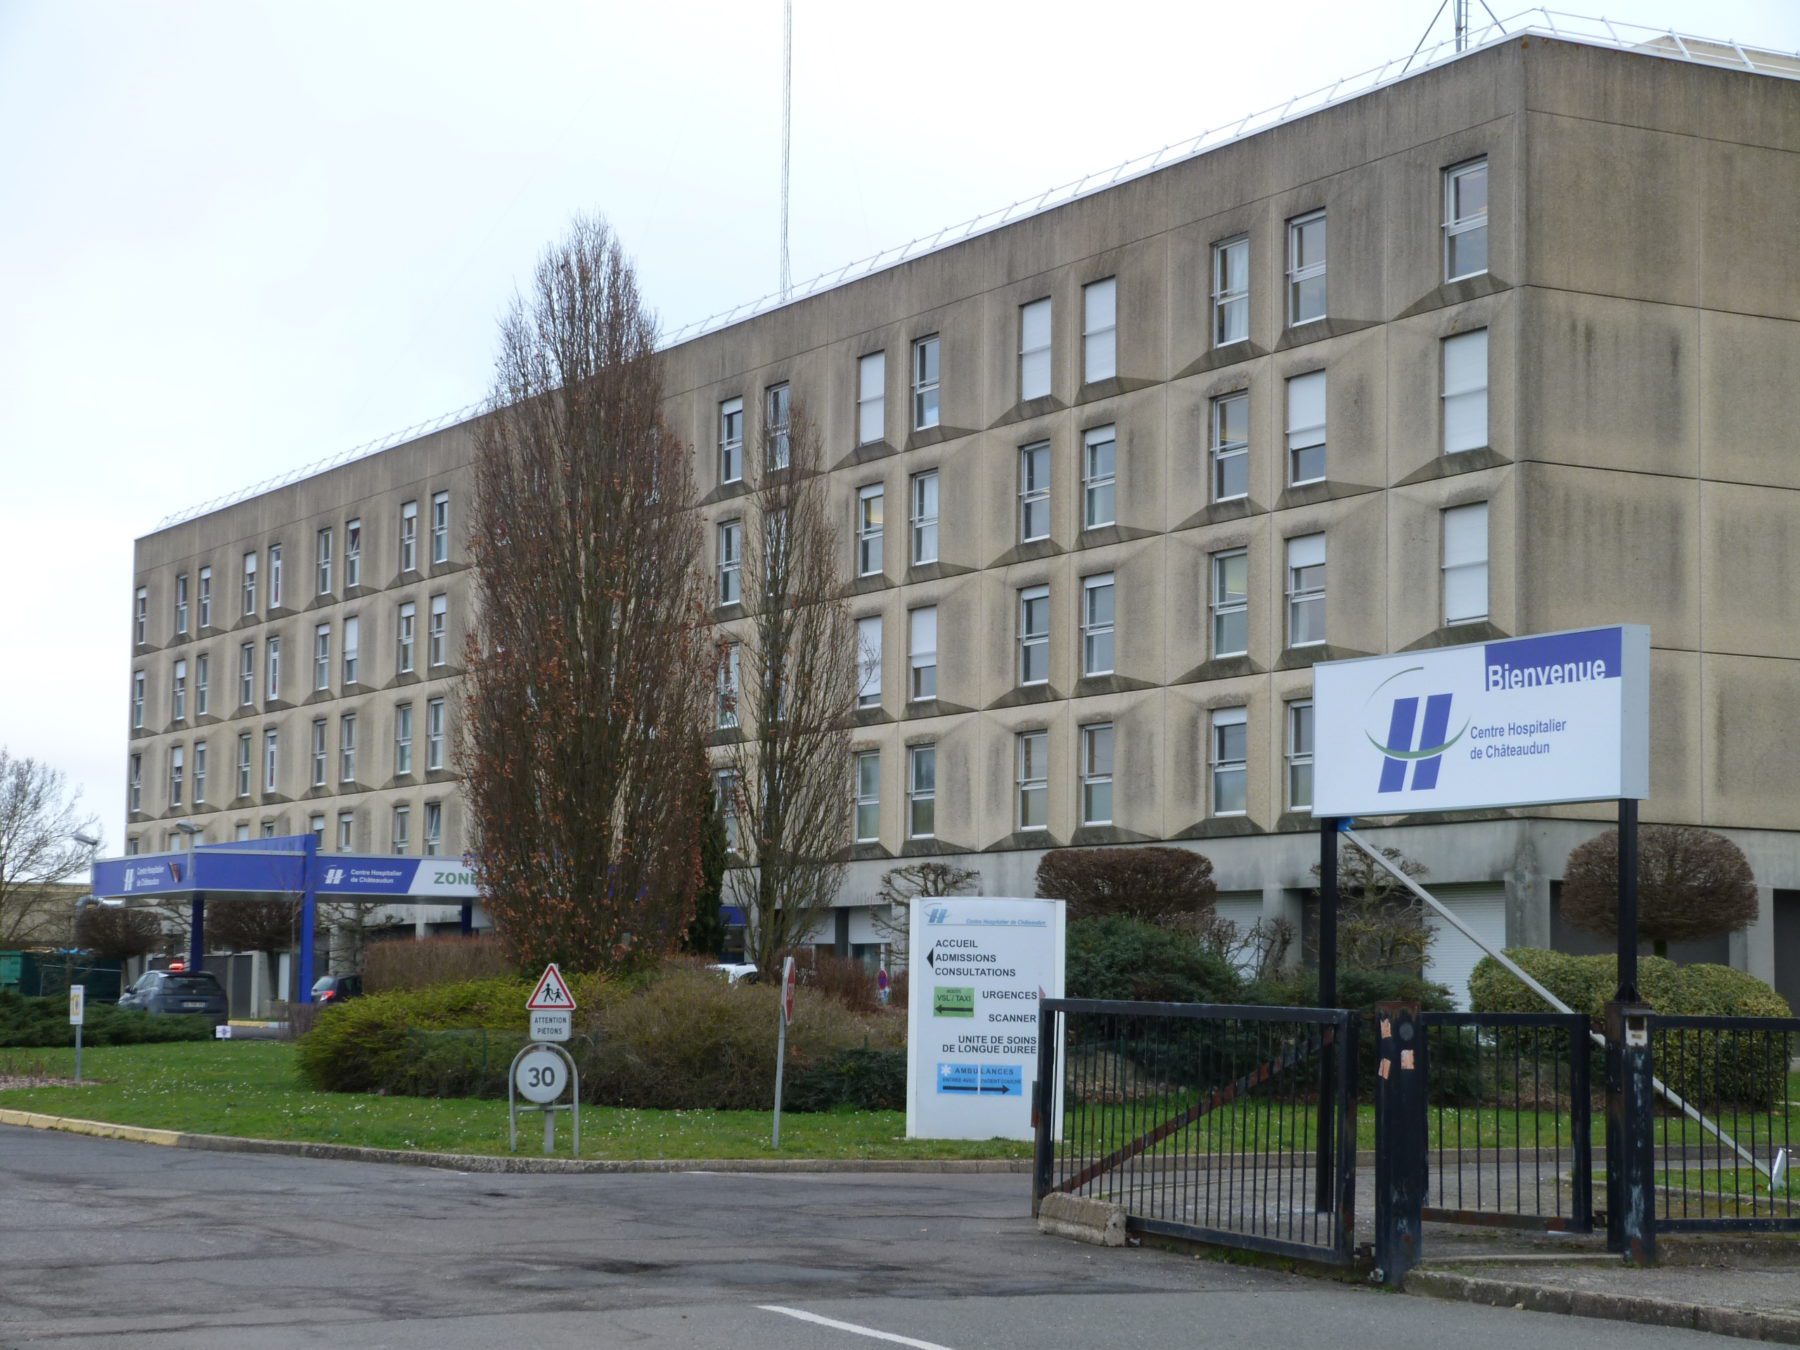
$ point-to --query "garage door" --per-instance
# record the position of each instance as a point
(1245, 910)
(1453, 957)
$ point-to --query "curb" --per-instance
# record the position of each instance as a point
(1745, 1323)
(479, 1162)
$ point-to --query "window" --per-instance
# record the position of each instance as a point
(249, 583)
(352, 649)
(409, 536)
(206, 597)
(1034, 780)
(1230, 760)
(347, 748)
(199, 773)
(243, 764)
(1231, 446)
(1034, 350)
(246, 674)
(868, 662)
(181, 603)
(137, 700)
(440, 552)
(1231, 291)
(1306, 590)
(272, 667)
(352, 553)
(404, 633)
(403, 729)
(271, 752)
(925, 517)
(1099, 330)
(871, 398)
(322, 656)
(731, 562)
(178, 692)
(318, 752)
(1306, 268)
(437, 632)
(202, 681)
(729, 665)
(1034, 492)
(1230, 603)
(1465, 395)
(1034, 635)
(868, 529)
(1300, 755)
(434, 734)
(925, 383)
(274, 576)
(725, 795)
(346, 823)
(268, 829)
(134, 783)
(324, 561)
(1098, 485)
(868, 796)
(1466, 563)
(140, 616)
(434, 829)
(778, 422)
(177, 763)
(1465, 220)
(316, 825)
(402, 828)
(1097, 624)
(731, 440)
(923, 649)
(1097, 774)
(921, 791)
(1306, 427)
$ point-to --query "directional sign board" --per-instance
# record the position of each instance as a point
(552, 993)
(978, 968)
(550, 1026)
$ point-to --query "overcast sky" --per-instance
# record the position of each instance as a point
(236, 238)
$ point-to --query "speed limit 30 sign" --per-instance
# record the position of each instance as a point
(540, 1075)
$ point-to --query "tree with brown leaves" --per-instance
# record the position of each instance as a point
(797, 662)
(1172, 887)
(115, 933)
(1692, 883)
(589, 662)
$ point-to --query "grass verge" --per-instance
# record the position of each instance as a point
(250, 1089)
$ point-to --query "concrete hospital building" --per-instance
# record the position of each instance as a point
(1508, 345)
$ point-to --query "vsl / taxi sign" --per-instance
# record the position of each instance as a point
(1557, 717)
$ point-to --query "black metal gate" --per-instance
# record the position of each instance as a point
(1219, 1123)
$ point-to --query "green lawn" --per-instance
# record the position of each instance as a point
(250, 1089)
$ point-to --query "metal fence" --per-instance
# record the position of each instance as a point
(1510, 1119)
(1226, 1124)
(1723, 1130)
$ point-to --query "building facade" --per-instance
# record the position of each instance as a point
(1505, 347)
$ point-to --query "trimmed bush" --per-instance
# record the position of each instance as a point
(1156, 884)
(1118, 957)
(38, 1022)
(866, 1079)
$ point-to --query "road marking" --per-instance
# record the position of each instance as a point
(851, 1327)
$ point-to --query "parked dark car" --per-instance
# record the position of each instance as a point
(336, 988)
(194, 992)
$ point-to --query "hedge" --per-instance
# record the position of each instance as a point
(42, 1022)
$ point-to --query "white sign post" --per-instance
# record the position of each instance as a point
(1556, 717)
(788, 980)
(541, 1071)
(977, 969)
(77, 1015)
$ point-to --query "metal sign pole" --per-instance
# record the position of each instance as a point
(1628, 901)
(1328, 964)
(780, 1062)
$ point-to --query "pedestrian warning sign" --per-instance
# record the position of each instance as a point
(551, 994)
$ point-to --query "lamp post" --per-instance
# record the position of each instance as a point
(196, 906)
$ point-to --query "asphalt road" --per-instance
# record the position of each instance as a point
(113, 1244)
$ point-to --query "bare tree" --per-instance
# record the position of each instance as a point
(39, 819)
(797, 661)
(1692, 883)
(116, 933)
(901, 885)
(1381, 925)
(589, 664)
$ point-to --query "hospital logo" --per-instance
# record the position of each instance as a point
(1412, 739)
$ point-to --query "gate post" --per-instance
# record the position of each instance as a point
(1043, 1104)
(1400, 1140)
(1630, 1135)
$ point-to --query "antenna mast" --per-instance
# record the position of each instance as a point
(787, 132)
(1462, 24)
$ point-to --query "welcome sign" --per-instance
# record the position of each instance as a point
(1531, 721)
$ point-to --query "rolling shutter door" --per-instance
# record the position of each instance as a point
(1453, 957)
(1243, 908)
